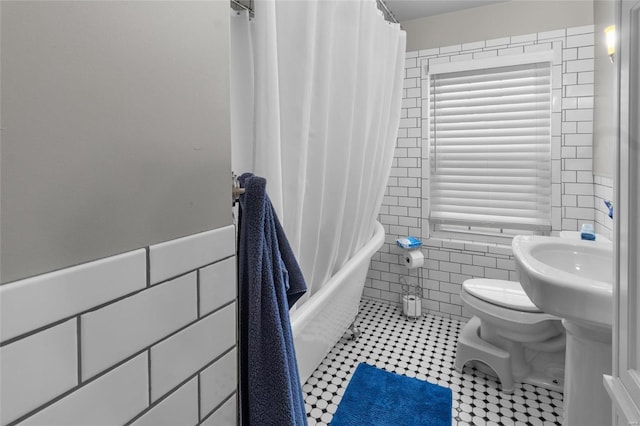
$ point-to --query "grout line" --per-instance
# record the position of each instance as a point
(79, 348)
(148, 265)
(149, 375)
(198, 273)
(36, 331)
(199, 396)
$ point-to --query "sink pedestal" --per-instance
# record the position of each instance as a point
(573, 280)
(588, 357)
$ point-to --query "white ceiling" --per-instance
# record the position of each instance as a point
(405, 10)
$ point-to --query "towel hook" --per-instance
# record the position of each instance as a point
(236, 191)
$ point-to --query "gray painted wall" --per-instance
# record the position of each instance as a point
(115, 120)
(497, 20)
(604, 124)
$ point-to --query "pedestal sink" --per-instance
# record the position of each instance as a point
(572, 279)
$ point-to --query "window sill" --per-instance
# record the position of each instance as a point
(472, 238)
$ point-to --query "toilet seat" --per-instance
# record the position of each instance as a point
(508, 294)
(494, 309)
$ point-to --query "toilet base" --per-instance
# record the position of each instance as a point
(471, 347)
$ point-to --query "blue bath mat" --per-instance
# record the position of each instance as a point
(378, 398)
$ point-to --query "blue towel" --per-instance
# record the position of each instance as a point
(270, 281)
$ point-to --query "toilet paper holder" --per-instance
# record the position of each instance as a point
(411, 299)
(412, 293)
(410, 289)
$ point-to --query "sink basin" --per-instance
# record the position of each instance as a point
(571, 279)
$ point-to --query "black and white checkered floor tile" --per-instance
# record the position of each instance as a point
(425, 349)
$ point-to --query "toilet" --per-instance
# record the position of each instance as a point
(510, 336)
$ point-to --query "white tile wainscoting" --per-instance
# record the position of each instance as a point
(142, 338)
(576, 194)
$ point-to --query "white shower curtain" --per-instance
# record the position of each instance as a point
(325, 79)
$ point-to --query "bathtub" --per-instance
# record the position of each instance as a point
(320, 322)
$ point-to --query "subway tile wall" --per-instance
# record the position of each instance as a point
(145, 338)
(576, 194)
(603, 191)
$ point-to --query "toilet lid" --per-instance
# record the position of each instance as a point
(508, 294)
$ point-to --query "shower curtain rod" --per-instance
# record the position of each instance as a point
(241, 6)
(388, 15)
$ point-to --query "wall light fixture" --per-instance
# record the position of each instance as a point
(610, 34)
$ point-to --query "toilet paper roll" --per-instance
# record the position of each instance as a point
(413, 259)
(411, 306)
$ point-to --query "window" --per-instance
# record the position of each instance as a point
(490, 147)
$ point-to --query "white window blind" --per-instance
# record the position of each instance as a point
(490, 147)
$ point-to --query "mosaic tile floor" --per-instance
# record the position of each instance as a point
(424, 348)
